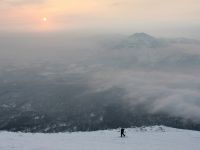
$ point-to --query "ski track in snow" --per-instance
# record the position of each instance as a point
(149, 138)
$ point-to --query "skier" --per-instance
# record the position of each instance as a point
(122, 132)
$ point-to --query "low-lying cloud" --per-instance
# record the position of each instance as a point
(158, 91)
(161, 78)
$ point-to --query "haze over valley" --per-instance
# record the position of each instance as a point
(66, 82)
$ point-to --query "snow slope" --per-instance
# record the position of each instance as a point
(149, 138)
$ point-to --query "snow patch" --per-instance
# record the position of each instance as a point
(144, 138)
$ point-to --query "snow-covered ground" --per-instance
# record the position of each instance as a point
(149, 138)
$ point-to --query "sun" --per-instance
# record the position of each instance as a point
(44, 19)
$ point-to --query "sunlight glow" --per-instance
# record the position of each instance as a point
(44, 19)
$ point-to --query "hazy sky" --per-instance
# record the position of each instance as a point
(171, 17)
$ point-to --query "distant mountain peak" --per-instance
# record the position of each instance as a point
(139, 40)
(142, 35)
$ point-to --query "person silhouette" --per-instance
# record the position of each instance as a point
(122, 132)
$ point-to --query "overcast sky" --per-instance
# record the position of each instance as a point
(160, 17)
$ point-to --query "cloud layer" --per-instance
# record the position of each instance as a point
(161, 79)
